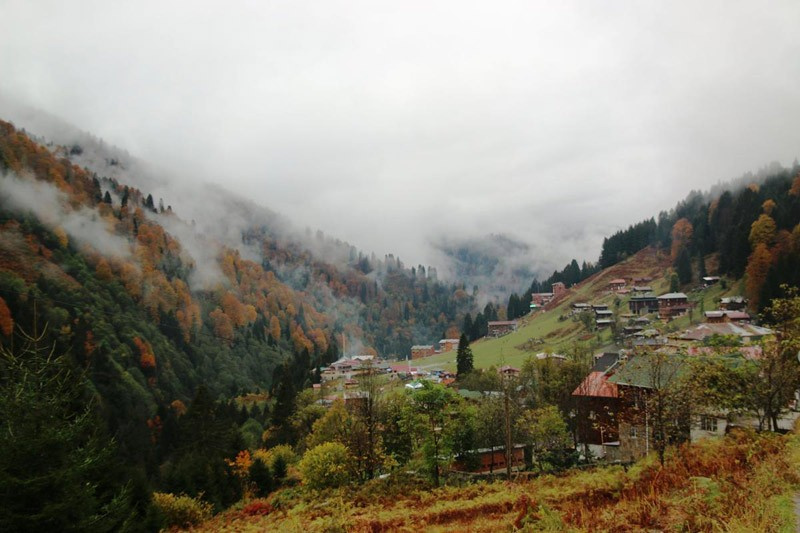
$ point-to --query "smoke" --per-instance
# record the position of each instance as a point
(50, 206)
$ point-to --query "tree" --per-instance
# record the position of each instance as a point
(433, 404)
(663, 391)
(464, 358)
(325, 466)
(683, 266)
(681, 236)
(57, 468)
(545, 431)
(261, 478)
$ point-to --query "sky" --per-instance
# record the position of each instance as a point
(393, 124)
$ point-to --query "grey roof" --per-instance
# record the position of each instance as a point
(673, 296)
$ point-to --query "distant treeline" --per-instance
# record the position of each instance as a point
(751, 230)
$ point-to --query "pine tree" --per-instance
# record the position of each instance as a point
(464, 359)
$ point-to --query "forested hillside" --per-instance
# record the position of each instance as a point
(748, 227)
(102, 274)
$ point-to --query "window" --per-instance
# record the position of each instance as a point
(634, 432)
(708, 423)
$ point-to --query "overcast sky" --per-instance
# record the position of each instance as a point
(391, 123)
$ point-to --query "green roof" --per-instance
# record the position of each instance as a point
(648, 371)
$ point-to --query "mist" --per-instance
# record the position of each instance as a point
(84, 225)
(397, 127)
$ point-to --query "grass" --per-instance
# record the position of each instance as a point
(743, 482)
(559, 336)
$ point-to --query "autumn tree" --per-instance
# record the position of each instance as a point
(6, 321)
(758, 266)
(682, 232)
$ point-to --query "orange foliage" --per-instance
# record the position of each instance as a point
(681, 236)
(147, 359)
(275, 328)
(241, 464)
(179, 407)
(61, 236)
(795, 190)
(6, 322)
(223, 327)
(89, 345)
(757, 268)
(103, 270)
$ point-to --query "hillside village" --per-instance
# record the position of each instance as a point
(623, 318)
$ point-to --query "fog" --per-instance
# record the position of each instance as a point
(395, 126)
(50, 206)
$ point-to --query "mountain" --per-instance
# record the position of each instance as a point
(497, 264)
(156, 310)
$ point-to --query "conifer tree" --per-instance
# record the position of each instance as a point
(464, 359)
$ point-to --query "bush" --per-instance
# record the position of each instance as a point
(326, 466)
(182, 510)
(261, 477)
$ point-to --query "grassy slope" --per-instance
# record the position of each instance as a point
(743, 482)
(559, 336)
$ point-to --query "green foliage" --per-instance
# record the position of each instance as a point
(716, 340)
(545, 430)
(683, 266)
(464, 359)
(57, 467)
(435, 406)
(261, 478)
(326, 466)
(181, 511)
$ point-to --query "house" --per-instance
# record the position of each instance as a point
(631, 330)
(721, 315)
(508, 371)
(636, 379)
(491, 459)
(579, 307)
(746, 332)
(733, 303)
(539, 299)
(597, 403)
(646, 303)
(498, 328)
(448, 345)
(421, 350)
(557, 357)
(600, 307)
(617, 284)
(403, 369)
(603, 313)
(710, 280)
(642, 289)
(672, 304)
(558, 289)
(603, 323)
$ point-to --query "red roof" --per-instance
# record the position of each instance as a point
(618, 281)
(596, 385)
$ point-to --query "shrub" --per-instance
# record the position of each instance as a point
(257, 508)
(326, 466)
(277, 459)
(182, 510)
(261, 477)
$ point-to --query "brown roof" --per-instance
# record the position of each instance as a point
(596, 385)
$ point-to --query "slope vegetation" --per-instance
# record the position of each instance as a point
(743, 482)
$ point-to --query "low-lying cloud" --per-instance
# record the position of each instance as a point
(83, 225)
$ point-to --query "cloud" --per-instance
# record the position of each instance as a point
(390, 126)
(48, 204)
